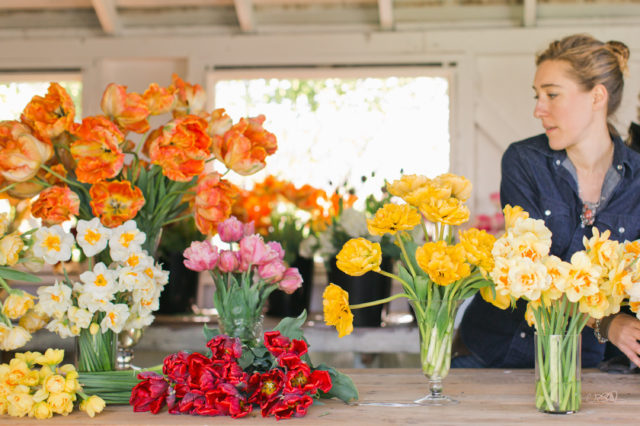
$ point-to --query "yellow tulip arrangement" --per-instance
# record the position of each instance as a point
(561, 296)
(42, 392)
(436, 274)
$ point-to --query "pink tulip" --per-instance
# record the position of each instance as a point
(228, 261)
(291, 281)
(231, 230)
(272, 271)
(249, 228)
(254, 252)
(201, 256)
(274, 245)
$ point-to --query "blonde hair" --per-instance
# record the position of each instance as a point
(592, 62)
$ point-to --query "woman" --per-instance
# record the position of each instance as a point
(576, 176)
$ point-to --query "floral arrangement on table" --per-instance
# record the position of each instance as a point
(15, 250)
(282, 212)
(282, 384)
(435, 276)
(42, 392)
(244, 273)
(561, 297)
(93, 169)
(107, 298)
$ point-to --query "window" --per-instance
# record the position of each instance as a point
(337, 126)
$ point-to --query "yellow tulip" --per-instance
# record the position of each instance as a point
(335, 304)
(392, 218)
(460, 185)
(13, 337)
(359, 256)
(499, 301)
(450, 211)
(478, 245)
(92, 405)
(17, 304)
(445, 264)
(4, 223)
(406, 185)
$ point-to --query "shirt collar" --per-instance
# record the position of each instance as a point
(621, 157)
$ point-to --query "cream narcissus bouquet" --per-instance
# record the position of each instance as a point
(107, 298)
(561, 296)
(436, 275)
(36, 385)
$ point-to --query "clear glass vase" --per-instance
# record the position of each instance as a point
(436, 337)
(558, 373)
(96, 352)
(245, 326)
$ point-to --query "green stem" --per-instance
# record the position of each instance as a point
(177, 219)
(405, 255)
(8, 187)
(67, 181)
(379, 302)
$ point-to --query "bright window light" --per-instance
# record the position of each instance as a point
(335, 130)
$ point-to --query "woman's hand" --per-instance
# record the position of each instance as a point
(624, 332)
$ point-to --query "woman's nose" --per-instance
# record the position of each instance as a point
(540, 109)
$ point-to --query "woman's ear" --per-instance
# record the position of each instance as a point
(600, 96)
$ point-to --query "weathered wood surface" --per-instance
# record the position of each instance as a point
(485, 396)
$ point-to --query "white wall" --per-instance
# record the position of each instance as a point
(492, 96)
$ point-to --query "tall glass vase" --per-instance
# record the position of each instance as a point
(248, 328)
(558, 372)
(96, 352)
(436, 336)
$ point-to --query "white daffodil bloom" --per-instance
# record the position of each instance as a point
(80, 317)
(92, 236)
(115, 318)
(101, 280)
(139, 319)
(60, 328)
(54, 299)
(125, 239)
(53, 244)
(94, 302)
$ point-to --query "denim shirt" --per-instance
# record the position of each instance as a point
(534, 177)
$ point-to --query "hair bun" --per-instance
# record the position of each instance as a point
(622, 54)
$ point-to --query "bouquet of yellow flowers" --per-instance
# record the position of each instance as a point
(42, 392)
(436, 274)
(561, 297)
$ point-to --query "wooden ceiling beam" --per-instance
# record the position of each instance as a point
(244, 11)
(385, 11)
(108, 16)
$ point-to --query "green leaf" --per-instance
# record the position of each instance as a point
(421, 285)
(292, 327)
(342, 387)
(11, 274)
(210, 333)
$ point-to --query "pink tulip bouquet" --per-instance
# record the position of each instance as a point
(245, 272)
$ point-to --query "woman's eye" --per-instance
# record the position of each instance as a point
(552, 95)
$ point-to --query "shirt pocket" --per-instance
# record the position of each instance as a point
(558, 217)
(623, 227)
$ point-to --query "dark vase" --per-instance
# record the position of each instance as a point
(366, 288)
(282, 304)
(179, 294)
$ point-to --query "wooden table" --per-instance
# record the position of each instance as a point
(485, 396)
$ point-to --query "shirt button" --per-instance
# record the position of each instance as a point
(619, 167)
(621, 230)
(523, 334)
(547, 212)
(557, 162)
